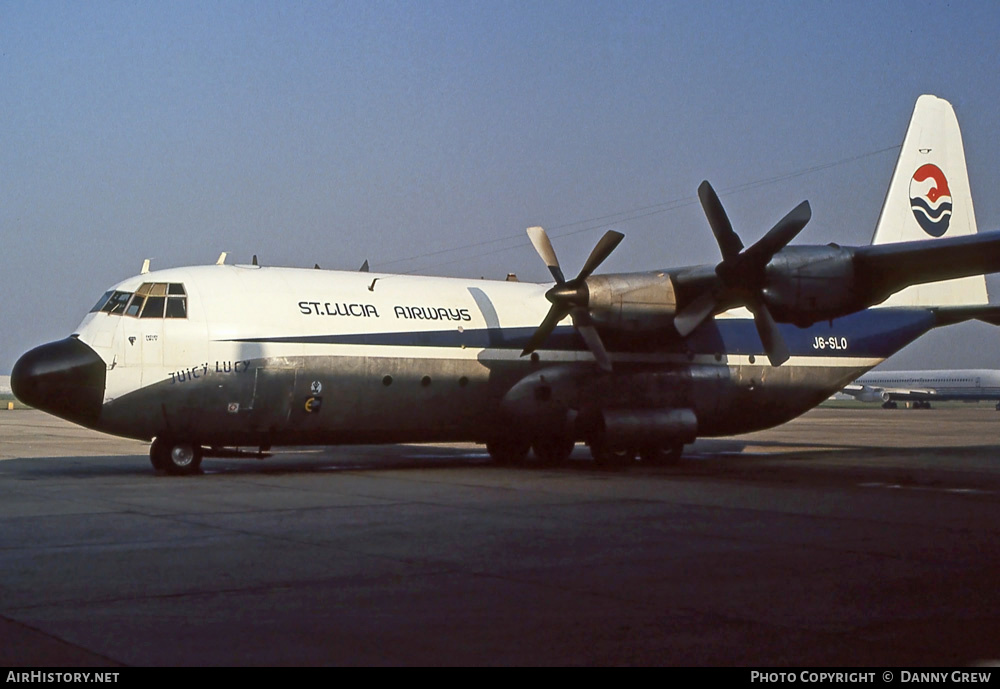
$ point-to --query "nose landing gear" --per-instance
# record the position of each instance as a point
(175, 457)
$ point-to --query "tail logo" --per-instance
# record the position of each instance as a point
(930, 199)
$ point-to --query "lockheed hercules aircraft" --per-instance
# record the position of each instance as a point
(206, 360)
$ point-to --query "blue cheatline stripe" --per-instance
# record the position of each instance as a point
(873, 333)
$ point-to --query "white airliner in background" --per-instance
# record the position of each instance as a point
(923, 387)
(208, 359)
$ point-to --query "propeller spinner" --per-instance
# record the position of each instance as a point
(570, 297)
(742, 274)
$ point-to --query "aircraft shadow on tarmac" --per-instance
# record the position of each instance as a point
(721, 458)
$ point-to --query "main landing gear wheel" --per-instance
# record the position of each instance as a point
(553, 450)
(508, 450)
(156, 457)
(662, 454)
(609, 456)
(175, 458)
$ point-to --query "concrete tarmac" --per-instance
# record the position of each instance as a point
(848, 537)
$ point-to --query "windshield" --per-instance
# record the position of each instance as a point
(151, 300)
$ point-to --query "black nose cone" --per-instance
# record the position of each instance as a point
(65, 378)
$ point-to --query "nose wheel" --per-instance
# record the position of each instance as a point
(174, 457)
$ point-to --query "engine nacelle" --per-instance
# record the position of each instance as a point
(635, 301)
(869, 394)
(812, 283)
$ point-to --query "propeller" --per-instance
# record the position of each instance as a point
(570, 297)
(741, 273)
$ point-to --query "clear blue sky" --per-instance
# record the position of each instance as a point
(425, 136)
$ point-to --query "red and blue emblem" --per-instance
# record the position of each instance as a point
(930, 199)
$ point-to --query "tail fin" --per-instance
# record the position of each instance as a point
(929, 197)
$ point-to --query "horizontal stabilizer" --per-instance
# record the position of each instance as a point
(888, 268)
(949, 315)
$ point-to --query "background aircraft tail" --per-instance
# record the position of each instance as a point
(929, 197)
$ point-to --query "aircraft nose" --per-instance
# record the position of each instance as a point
(65, 378)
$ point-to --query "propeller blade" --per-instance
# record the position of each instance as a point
(729, 242)
(608, 243)
(779, 236)
(585, 326)
(555, 314)
(692, 315)
(742, 273)
(571, 297)
(770, 336)
(540, 240)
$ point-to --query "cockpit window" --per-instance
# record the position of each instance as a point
(116, 304)
(151, 301)
(102, 301)
(176, 301)
(153, 307)
(135, 305)
(177, 307)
